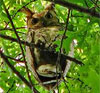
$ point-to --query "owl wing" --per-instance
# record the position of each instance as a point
(30, 54)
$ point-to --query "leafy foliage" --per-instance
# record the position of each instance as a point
(84, 29)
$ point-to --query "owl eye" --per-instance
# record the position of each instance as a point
(35, 20)
(49, 15)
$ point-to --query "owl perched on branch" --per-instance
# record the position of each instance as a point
(43, 30)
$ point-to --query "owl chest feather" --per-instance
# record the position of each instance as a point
(45, 62)
(46, 35)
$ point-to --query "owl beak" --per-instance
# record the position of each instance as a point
(44, 23)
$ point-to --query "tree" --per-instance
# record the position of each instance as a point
(83, 27)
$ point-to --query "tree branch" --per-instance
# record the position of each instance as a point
(14, 70)
(76, 7)
(10, 29)
(15, 40)
(12, 24)
(34, 45)
(74, 60)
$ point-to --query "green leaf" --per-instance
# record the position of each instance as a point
(1, 2)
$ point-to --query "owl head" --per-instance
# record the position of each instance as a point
(45, 18)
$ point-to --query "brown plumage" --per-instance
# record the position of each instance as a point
(43, 28)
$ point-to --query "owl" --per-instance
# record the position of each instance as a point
(43, 30)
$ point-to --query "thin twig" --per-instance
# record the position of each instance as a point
(19, 10)
(59, 54)
(11, 87)
(96, 1)
(78, 79)
(10, 29)
(66, 85)
(22, 7)
(18, 60)
(75, 79)
(95, 4)
(86, 4)
(64, 34)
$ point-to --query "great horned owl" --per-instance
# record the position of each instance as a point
(43, 29)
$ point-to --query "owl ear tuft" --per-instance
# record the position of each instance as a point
(50, 7)
(27, 11)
